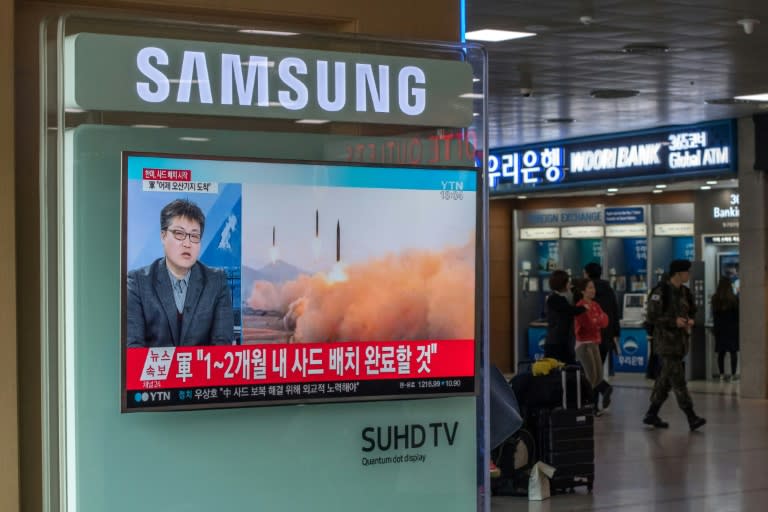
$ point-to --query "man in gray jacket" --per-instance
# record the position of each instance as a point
(176, 300)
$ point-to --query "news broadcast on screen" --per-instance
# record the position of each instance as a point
(253, 282)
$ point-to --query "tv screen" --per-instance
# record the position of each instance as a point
(252, 282)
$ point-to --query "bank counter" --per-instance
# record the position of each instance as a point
(633, 340)
(537, 336)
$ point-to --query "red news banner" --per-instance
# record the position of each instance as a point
(167, 174)
(185, 367)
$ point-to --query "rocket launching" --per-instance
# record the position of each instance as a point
(337, 273)
(274, 252)
(316, 244)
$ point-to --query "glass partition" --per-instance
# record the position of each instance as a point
(383, 143)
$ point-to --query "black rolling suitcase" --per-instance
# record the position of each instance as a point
(566, 439)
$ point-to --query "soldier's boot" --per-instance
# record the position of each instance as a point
(652, 417)
(694, 421)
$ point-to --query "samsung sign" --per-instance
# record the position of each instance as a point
(702, 149)
(142, 74)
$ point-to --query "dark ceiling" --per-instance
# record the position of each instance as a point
(708, 57)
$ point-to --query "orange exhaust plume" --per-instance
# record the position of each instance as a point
(415, 295)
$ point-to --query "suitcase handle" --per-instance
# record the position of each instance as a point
(565, 387)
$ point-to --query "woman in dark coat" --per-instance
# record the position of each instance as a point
(560, 314)
(725, 313)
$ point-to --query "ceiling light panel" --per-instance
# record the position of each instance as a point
(494, 36)
(753, 97)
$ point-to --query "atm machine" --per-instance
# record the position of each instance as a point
(633, 340)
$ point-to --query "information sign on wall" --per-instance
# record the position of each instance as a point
(539, 233)
(658, 154)
(626, 230)
(582, 232)
(673, 229)
(718, 211)
(633, 215)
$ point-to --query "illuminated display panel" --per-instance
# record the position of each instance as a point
(659, 154)
(308, 282)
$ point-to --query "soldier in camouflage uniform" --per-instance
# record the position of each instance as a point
(671, 311)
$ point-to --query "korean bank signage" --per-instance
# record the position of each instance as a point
(141, 74)
(658, 154)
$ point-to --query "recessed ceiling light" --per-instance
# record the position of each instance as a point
(475, 79)
(472, 95)
(495, 36)
(712, 182)
(267, 32)
(658, 191)
(476, 114)
(645, 49)
(613, 94)
(661, 185)
(728, 101)
(613, 190)
(194, 139)
(753, 97)
(313, 121)
(705, 187)
(748, 24)
(522, 197)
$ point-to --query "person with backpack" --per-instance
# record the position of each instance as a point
(653, 367)
(671, 310)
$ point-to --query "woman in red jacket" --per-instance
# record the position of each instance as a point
(587, 328)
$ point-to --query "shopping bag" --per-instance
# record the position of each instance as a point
(538, 482)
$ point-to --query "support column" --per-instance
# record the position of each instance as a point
(9, 406)
(753, 249)
(502, 347)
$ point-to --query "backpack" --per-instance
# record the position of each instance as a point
(515, 458)
(663, 289)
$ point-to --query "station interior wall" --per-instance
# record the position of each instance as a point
(503, 249)
(753, 187)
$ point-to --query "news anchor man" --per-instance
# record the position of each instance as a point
(176, 300)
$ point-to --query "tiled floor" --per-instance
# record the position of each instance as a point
(722, 468)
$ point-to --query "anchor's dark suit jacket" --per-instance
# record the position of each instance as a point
(153, 319)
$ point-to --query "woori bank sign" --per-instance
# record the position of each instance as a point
(665, 153)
